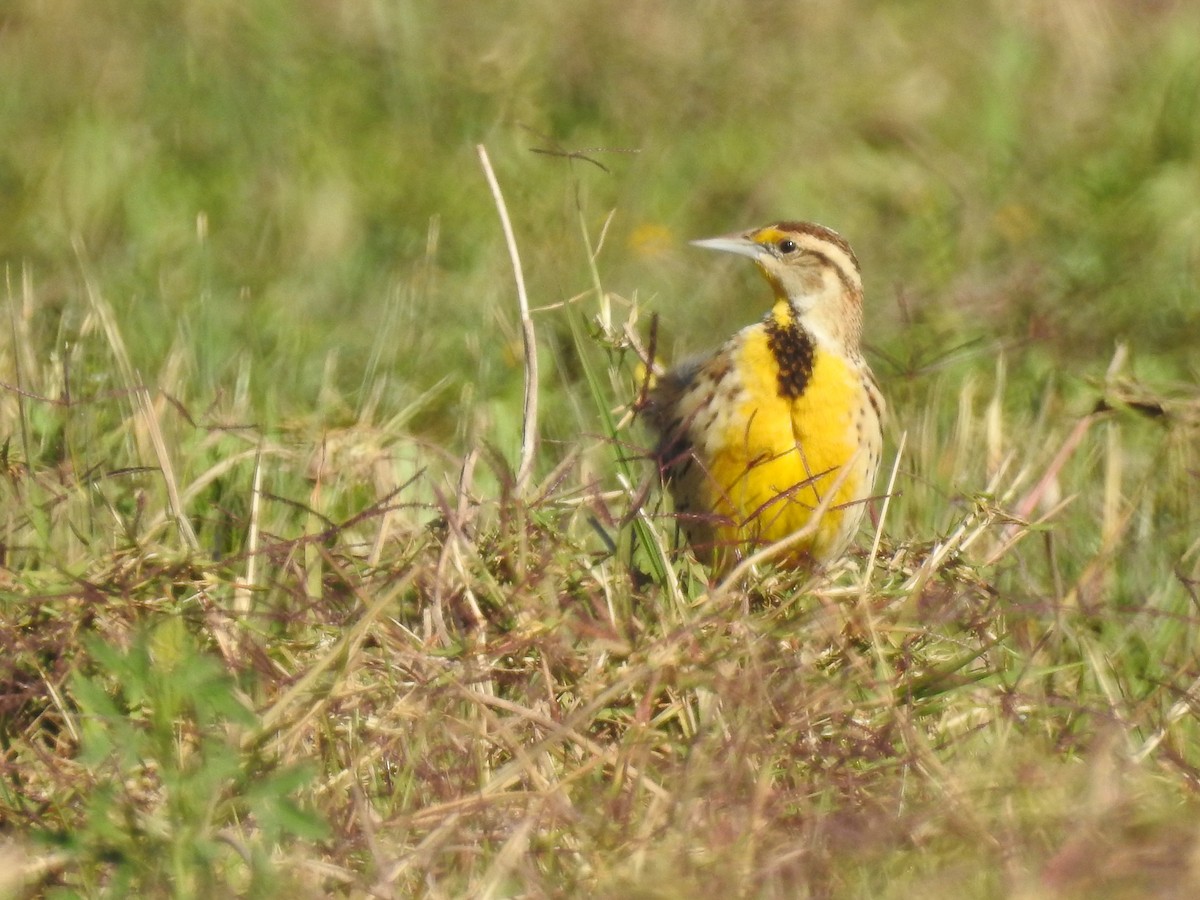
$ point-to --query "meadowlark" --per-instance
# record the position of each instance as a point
(753, 437)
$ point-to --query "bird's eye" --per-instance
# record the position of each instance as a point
(787, 246)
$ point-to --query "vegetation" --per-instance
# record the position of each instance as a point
(279, 614)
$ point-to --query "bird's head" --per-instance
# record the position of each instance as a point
(811, 268)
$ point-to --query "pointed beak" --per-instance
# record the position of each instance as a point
(732, 243)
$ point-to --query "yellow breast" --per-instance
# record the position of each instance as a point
(765, 460)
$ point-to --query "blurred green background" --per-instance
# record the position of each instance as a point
(288, 193)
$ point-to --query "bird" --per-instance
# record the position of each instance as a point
(752, 437)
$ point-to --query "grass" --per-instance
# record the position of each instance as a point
(279, 614)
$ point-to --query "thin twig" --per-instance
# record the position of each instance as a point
(1024, 509)
(243, 600)
(581, 153)
(529, 425)
(19, 341)
(887, 502)
(158, 442)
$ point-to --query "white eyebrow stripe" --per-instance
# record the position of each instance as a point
(835, 254)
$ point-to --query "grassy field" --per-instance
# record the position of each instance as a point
(279, 617)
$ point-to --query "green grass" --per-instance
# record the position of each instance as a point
(276, 616)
